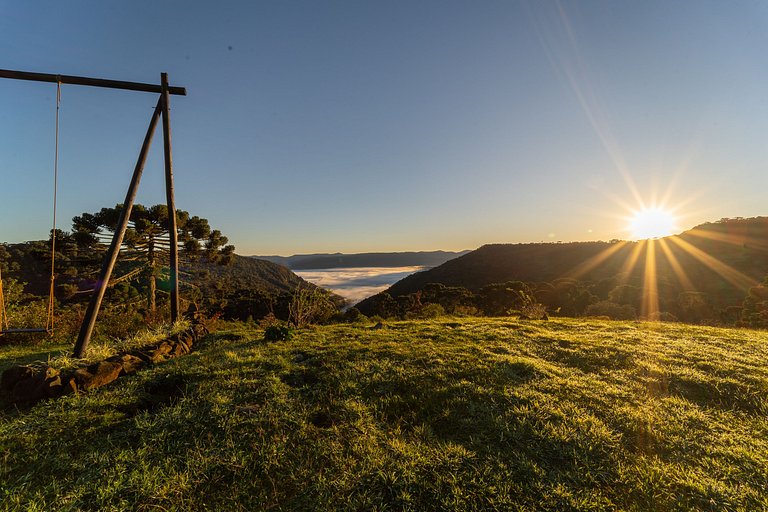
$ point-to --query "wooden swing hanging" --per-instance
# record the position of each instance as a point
(4, 326)
(161, 110)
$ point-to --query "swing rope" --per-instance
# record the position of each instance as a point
(51, 297)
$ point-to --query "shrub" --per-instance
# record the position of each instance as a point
(427, 311)
(534, 311)
(269, 321)
(662, 316)
(278, 333)
(611, 310)
(376, 319)
(466, 311)
(310, 305)
(352, 316)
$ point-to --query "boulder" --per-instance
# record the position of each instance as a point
(39, 386)
(68, 384)
(179, 349)
(13, 375)
(97, 375)
(187, 337)
(129, 362)
(159, 353)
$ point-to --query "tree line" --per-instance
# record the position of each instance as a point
(611, 298)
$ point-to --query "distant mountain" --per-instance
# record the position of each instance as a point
(371, 259)
(721, 259)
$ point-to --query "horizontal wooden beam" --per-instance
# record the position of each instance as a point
(93, 82)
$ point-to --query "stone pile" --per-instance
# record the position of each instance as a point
(25, 385)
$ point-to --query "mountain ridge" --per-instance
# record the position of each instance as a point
(722, 259)
(367, 259)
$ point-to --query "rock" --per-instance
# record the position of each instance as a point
(41, 385)
(144, 355)
(129, 362)
(81, 377)
(187, 337)
(12, 376)
(179, 349)
(68, 385)
(160, 352)
(97, 375)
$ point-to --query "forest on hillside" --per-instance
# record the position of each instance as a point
(212, 277)
(710, 274)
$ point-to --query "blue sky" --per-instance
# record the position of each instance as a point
(375, 126)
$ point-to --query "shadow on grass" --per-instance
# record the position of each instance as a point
(726, 395)
(11, 355)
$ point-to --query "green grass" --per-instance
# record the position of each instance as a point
(450, 414)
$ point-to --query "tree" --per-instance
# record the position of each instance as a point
(146, 245)
(451, 298)
(754, 312)
(310, 304)
(694, 307)
(500, 299)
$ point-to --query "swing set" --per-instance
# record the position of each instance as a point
(162, 109)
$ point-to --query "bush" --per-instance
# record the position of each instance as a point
(427, 311)
(310, 305)
(611, 310)
(278, 333)
(350, 316)
(534, 311)
(662, 316)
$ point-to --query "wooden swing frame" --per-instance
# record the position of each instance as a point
(161, 109)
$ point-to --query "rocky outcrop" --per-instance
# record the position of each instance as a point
(26, 385)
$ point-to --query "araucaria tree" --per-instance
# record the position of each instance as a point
(146, 245)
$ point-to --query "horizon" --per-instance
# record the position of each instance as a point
(314, 128)
(314, 253)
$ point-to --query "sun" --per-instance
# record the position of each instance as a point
(652, 223)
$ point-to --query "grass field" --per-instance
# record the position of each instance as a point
(450, 414)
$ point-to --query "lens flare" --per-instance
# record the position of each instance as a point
(652, 223)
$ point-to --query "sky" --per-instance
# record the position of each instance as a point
(358, 126)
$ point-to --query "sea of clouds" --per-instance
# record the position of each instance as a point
(355, 284)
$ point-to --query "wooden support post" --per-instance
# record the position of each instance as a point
(86, 329)
(172, 232)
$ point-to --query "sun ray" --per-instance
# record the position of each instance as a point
(678, 270)
(728, 273)
(729, 238)
(631, 262)
(650, 305)
(562, 50)
(595, 261)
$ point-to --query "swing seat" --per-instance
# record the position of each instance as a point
(17, 331)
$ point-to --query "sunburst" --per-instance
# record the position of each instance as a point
(653, 242)
(653, 222)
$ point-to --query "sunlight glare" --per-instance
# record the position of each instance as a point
(652, 223)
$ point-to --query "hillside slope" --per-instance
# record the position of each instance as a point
(250, 273)
(30, 263)
(471, 414)
(721, 259)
